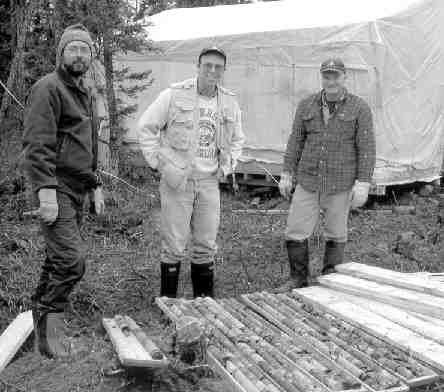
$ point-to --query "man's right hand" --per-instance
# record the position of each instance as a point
(286, 185)
(49, 208)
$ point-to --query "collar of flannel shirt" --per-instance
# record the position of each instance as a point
(326, 110)
(323, 98)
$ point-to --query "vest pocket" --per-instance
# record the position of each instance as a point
(180, 129)
(179, 133)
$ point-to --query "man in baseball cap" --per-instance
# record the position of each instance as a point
(192, 134)
(329, 163)
(60, 142)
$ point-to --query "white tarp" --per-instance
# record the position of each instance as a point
(396, 63)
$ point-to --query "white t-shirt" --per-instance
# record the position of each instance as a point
(207, 154)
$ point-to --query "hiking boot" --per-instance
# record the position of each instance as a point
(202, 278)
(334, 255)
(49, 331)
(298, 260)
(169, 279)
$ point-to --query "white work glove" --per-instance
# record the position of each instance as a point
(359, 194)
(99, 201)
(286, 185)
(48, 208)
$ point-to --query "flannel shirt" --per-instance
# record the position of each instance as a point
(328, 157)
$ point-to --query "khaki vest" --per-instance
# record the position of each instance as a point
(180, 140)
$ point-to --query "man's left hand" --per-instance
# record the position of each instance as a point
(99, 201)
(359, 194)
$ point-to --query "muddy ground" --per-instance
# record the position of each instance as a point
(123, 274)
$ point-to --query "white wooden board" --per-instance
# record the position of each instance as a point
(427, 304)
(419, 347)
(398, 316)
(422, 282)
(14, 336)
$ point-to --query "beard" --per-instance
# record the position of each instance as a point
(77, 68)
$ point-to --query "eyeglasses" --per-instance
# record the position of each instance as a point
(208, 67)
(83, 50)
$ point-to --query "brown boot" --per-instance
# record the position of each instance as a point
(334, 255)
(298, 260)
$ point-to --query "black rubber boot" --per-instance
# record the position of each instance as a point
(169, 279)
(40, 342)
(334, 255)
(202, 277)
(298, 258)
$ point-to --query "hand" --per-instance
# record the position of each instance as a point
(359, 194)
(286, 185)
(99, 201)
(220, 174)
(49, 208)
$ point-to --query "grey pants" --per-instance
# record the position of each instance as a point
(64, 264)
(305, 212)
(190, 216)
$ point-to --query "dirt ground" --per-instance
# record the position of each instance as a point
(123, 275)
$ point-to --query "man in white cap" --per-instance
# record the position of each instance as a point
(60, 144)
(329, 163)
(200, 124)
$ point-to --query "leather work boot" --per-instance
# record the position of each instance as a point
(202, 278)
(298, 260)
(334, 255)
(49, 331)
(169, 279)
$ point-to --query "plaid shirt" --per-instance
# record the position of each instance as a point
(329, 156)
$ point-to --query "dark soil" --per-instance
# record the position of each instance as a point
(123, 275)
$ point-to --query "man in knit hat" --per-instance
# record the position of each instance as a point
(60, 144)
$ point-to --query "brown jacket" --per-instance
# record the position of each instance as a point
(60, 135)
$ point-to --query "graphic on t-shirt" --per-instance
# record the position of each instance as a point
(207, 134)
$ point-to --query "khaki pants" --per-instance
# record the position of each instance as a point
(194, 215)
(305, 213)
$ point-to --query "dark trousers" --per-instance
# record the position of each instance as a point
(64, 265)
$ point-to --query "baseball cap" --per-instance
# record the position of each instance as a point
(333, 65)
(213, 49)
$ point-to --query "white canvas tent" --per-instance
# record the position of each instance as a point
(395, 62)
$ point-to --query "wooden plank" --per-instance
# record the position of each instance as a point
(14, 336)
(431, 320)
(413, 281)
(410, 300)
(261, 212)
(419, 347)
(128, 348)
(403, 318)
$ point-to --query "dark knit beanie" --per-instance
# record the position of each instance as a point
(76, 32)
